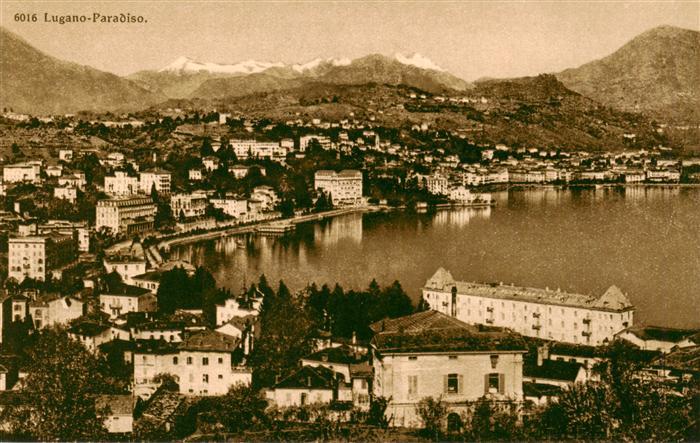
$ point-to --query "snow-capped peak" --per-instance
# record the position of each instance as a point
(318, 61)
(186, 64)
(418, 61)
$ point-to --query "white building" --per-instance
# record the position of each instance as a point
(430, 354)
(543, 313)
(231, 205)
(66, 193)
(345, 187)
(190, 205)
(323, 141)
(656, 338)
(33, 257)
(159, 178)
(126, 215)
(127, 298)
(54, 310)
(237, 307)
(121, 184)
(126, 266)
(258, 149)
(22, 172)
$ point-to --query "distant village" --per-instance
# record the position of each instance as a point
(86, 234)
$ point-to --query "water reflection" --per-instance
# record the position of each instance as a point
(643, 239)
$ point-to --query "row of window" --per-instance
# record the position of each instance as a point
(205, 360)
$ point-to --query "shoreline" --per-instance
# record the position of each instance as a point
(167, 242)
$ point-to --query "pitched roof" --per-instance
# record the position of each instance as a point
(209, 340)
(88, 329)
(660, 333)
(342, 354)
(432, 331)
(540, 390)
(683, 359)
(551, 369)
(573, 350)
(125, 290)
(117, 404)
(613, 299)
(309, 377)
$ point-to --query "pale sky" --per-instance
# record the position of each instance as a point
(469, 39)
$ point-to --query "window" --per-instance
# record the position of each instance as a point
(221, 377)
(174, 360)
(189, 360)
(205, 378)
(412, 386)
(205, 361)
(221, 360)
(452, 384)
(413, 358)
(493, 383)
(453, 357)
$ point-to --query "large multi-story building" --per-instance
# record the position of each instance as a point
(203, 364)
(345, 187)
(33, 257)
(158, 178)
(431, 354)
(542, 313)
(258, 149)
(322, 140)
(121, 184)
(126, 215)
(190, 205)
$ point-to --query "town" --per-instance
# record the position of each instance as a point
(88, 218)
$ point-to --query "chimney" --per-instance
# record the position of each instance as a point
(542, 354)
(354, 338)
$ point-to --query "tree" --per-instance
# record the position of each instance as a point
(60, 390)
(285, 334)
(432, 412)
(242, 408)
(173, 291)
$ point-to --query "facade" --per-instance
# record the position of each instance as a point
(323, 141)
(430, 354)
(190, 205)
(127, 298)
(22, 172)
(120, 419)
(345, 187)
(258, 149)
(121, 184)
(542, 313)
(231, 205)
(126, 215)
(33, 257)
(309, 385)
(126, 266)
(237, 307)
(66, 193)
(159, 178)
(52, 310)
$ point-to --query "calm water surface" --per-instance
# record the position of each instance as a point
(644, 240)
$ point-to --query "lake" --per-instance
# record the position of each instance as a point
(645, 240)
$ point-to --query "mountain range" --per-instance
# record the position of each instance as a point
(657, 72)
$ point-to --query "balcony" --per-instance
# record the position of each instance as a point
(537, 327)
(586, 333)
(536, 314)
(489, 309)
(489, 321)
(586, 321)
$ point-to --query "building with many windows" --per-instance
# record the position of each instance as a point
(345, 187)
(158, 178)
(542, 313)
(33, 257)
(121, 184)
(126, 215)
(189, 205)
(431, 354)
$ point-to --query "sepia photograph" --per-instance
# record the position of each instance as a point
(349, 221)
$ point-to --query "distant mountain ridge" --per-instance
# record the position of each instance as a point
(187, 78)
(658, 71)
(37, 83)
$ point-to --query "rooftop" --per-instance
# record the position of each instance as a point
(309, 377)
(551, 369)
(88, 329)
(683, 359)
(613, 299)
(117, 404)
(432, 331)
(211, 341)
(342, 354)
(660, 333)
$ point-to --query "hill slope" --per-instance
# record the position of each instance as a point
(36, 83)
(657, 71)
